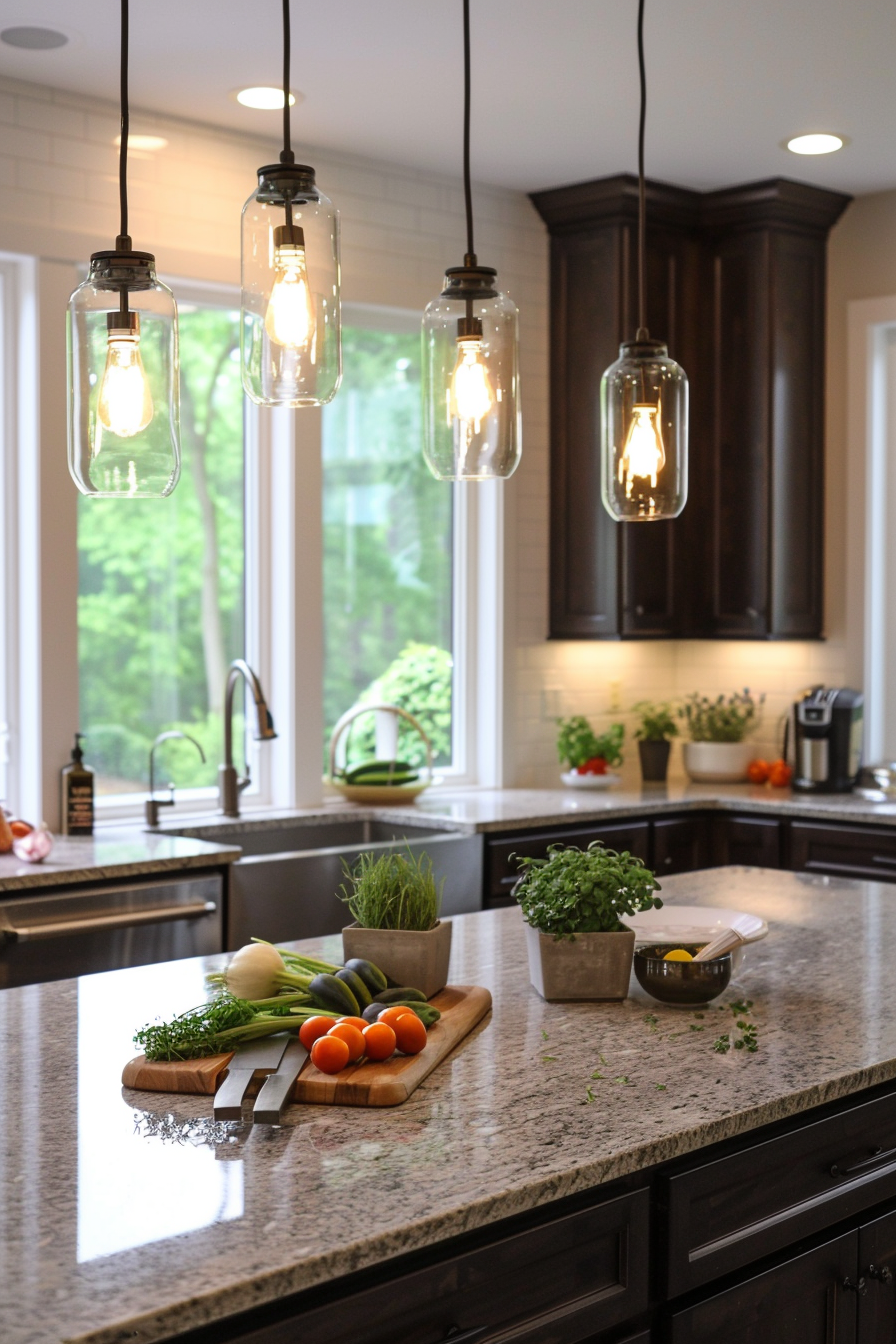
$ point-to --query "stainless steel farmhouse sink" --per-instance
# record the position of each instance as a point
(287, 882)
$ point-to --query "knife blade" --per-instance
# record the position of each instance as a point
(264, 1054)
(269, 1103)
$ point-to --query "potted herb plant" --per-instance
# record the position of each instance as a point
(574, 903)
(655, 727)
(718, 752)
(587, 755)
(395, 902)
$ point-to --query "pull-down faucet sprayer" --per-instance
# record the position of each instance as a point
(230, 784)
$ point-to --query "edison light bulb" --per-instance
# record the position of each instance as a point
(471, 395)
(643, 455)
(125, 401)
(289, 320)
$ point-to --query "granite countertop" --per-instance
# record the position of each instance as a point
(132, 1216)
(112, 854)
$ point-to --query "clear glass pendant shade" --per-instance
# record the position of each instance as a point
(644, 434)
(290, 333)
(123, 378)
(471, 394)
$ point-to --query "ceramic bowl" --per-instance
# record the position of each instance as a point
(688, 983)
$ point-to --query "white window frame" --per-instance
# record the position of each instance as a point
(284, 589)
(871, 500)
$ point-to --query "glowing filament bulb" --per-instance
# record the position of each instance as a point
(643, 456)
(471, 395)
(125, 402)
(289, 320)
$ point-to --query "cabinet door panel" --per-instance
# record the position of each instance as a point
(877, 1265)
(802, 1301)
(680, 845)
(752, 841)
(502, 871)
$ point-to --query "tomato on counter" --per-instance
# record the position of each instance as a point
(596, 765)
(313, 1028)
(780, 774)
(758, 771)
(329, 1054)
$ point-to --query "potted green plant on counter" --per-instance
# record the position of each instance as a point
(587, 755)
(718, 752)
(656, 726)
(395, 901)
(574, 904)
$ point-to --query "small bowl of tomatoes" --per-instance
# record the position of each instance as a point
(593, 774)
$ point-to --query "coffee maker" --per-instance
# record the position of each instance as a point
(827, 726)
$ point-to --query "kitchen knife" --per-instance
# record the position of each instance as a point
(264, 1054)
(269, 1103)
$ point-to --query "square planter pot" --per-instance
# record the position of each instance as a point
(654, 757)
(412, 958)
(589, 966)
(718, 762)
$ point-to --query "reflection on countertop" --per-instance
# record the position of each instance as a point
(132, 1215)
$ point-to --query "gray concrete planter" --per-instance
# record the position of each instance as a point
(412, 958)
(588, 966)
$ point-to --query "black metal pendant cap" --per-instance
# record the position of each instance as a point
(470, 282)
(643, 349)
(298, 173)
(144, 260)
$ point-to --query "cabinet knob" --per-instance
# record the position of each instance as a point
(860, 1288)
(639, 611)
(751, 612)
(668, 860)
(880, 1272)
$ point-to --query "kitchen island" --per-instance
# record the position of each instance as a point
(133, 1216)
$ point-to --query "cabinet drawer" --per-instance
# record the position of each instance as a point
(753, 841)
(501, 872)
(847, 851)
(680, 845)
(559, 1283)
(802, 1301)
(725, 1213)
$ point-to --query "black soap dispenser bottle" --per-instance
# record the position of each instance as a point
(77, 794)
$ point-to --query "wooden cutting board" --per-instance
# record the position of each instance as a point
(367, 1084)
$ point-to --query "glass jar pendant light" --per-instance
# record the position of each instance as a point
(471, 392)
(644, 400)
(290, 336)
(123, 372)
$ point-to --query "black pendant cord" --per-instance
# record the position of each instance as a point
(123, 241)
(286, 155)
(470, 258)
(643, 333)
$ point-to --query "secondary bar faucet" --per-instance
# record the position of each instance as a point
(230, 784)
(152, 805)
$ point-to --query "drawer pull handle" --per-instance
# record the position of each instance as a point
(880, 1272)
(860, 1288)
(457, 1336)
(876, 1157)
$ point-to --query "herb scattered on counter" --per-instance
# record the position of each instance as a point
(589, 1097)
(624, 1080)
(548, 1059)
(602, 1060)
(652, 1021)
(544, 1035)
(722, 1044)
(694, 1027)
(660, 1087)
(597, 1074)
(748, 1038)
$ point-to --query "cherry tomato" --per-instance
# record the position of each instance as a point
(358, 1022)
(780, 775)
(410, 1034)
(595, 765)
(313, 1028)
(329, 1054)
(379, 1040)
(758, 771)
(392, 1015)
(344, 1031)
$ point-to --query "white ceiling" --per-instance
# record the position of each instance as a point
(555, 85)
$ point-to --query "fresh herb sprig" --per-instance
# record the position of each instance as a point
(218, 1026)
(577, 742)
(392, 891)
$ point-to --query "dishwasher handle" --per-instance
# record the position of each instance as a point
(122, 920)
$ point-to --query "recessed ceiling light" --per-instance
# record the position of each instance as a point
(815, 144)
(33, 39)
(145, 142)
(264, 98)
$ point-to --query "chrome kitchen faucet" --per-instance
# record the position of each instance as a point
(230, 784)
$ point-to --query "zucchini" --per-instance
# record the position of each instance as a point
(334, 994)
(425, 1011)
(400, 995)
(356, 985)
(370, 974)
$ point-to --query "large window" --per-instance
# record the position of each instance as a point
(388, 525)
(160, 583)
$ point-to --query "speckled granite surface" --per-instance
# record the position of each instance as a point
(113, 854)
(133, 1216)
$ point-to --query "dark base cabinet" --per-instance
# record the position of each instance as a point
(846, 851)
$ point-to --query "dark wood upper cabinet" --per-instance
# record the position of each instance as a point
(736, 286)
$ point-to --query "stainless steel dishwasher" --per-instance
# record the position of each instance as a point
(56, 935)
